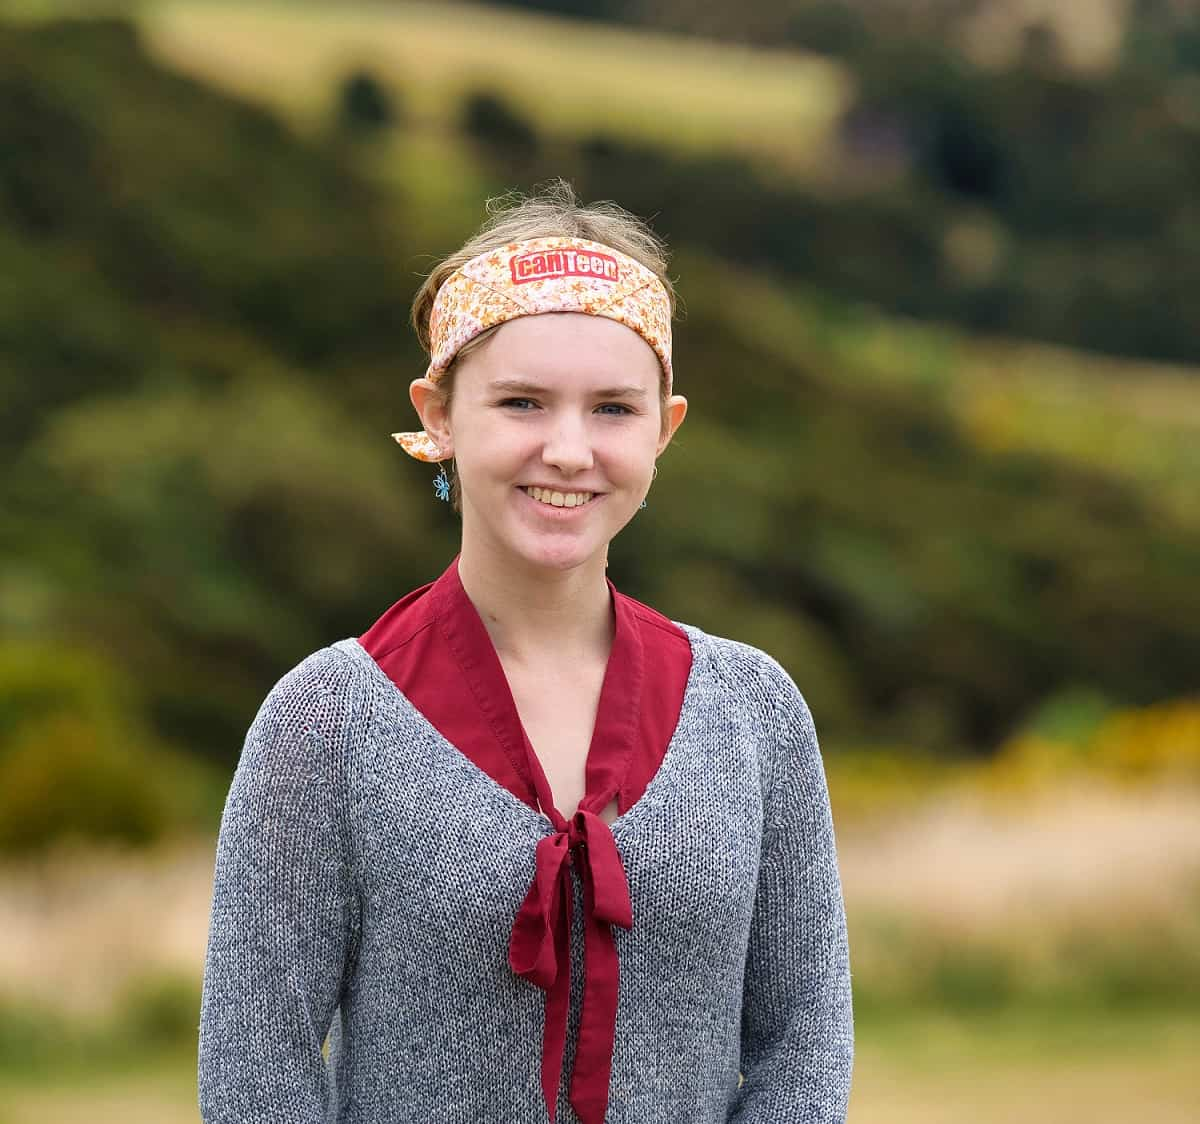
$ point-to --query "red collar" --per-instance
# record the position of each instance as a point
(616, 728)
(539, 946)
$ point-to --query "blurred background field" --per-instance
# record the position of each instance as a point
(1041, 959)
(940, 337)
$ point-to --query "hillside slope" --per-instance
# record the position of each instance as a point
(208, 349)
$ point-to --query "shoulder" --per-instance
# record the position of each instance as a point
(321, 693)
(732, 660)
(762, 697)
(749, 671)
(755, 682)
(297, 766)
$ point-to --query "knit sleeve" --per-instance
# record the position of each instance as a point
(797, 1021)
(285, 911)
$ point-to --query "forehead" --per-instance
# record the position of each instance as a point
(560, 346)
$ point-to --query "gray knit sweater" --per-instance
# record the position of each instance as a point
(368, 873)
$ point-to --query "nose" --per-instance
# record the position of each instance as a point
(568, 447)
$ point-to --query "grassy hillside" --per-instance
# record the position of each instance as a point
(175, 346)
(1135, 420)
(1031, 200)
(702, 93)
(1087, 33)
(936, 535)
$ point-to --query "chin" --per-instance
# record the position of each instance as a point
(561, 558)
(561, 555)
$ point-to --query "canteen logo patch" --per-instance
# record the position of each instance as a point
(544, 264)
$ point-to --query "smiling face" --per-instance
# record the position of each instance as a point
(555, 425)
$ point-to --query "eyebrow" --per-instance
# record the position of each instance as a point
(520, 386)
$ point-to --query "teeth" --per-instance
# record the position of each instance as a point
(559, 499)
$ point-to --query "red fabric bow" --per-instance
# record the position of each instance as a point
(540, 951)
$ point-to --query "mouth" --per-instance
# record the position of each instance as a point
(562, 501)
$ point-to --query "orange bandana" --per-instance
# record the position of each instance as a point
(535, 276)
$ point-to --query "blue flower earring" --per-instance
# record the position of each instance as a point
(441, 484)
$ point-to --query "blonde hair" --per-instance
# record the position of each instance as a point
(551, 211)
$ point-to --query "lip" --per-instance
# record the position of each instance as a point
(549, 511)
(559, 488)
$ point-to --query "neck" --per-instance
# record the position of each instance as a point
(534, 615)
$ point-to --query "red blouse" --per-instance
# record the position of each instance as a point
(430, 643)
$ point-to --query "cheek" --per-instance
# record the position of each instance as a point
(631, 454)
(481, 444)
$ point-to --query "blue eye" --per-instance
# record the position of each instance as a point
(524, 405)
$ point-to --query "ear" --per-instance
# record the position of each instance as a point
(430, 404)
(676, 412)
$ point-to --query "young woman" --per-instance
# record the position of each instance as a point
(525, 825)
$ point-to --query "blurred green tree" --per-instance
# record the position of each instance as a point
(364, 105)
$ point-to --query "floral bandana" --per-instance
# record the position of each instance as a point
(535, 276)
